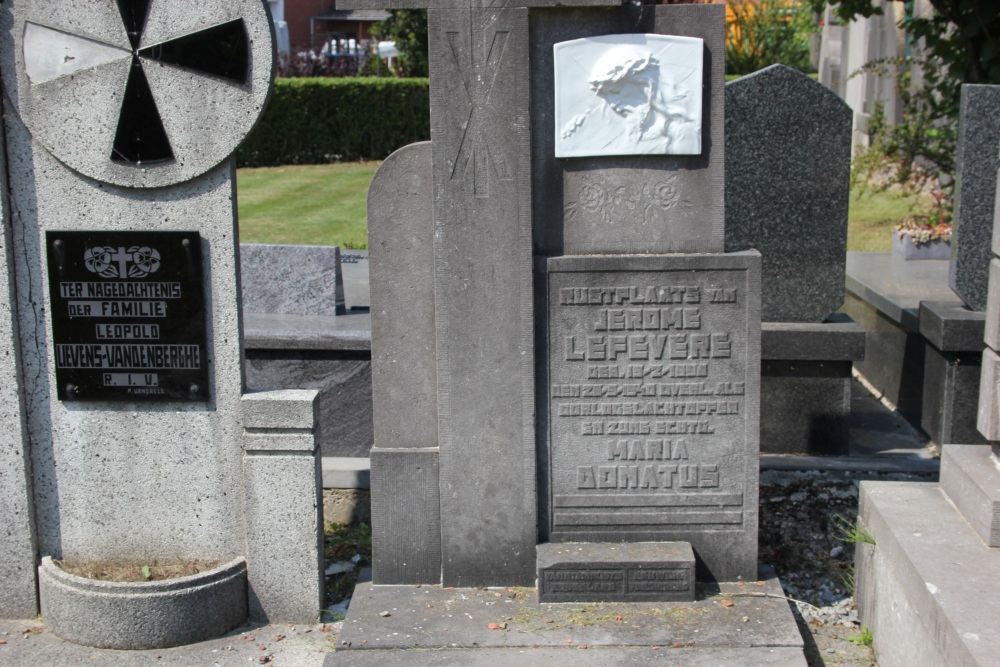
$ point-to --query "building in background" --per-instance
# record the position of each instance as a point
(277, 8)
(846, 48)
(318, 26)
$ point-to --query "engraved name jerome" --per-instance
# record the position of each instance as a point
(646, 388)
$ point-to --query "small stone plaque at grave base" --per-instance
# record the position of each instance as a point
(637, 572)
(653, 403)
(128, 316)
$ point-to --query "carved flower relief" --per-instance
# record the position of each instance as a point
(612, 202)
(591, 196)
(665, 194)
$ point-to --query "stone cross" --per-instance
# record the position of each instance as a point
(483, 294)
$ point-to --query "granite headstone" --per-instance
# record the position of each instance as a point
(627, 203)
(406, 518)
(292, 279)
(976, 160)
(653, 411)
(788, 163)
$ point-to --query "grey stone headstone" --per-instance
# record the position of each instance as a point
(632, 204)
(114, 480)
(788, 164)
(653, 409)
(977, 159)
(292, 279)
(481, 145)
(401, 258)
(406, 500)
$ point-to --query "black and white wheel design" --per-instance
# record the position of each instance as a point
(139, 93)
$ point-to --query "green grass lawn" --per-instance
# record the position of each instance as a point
(872, 215)
(327, 205)
(306, 204)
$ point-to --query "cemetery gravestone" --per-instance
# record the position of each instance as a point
(788, 160)
(120, 120)
(977, 158)
(788, 153)
(292, 279)
(699, 463)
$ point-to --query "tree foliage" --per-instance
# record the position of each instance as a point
(408, 29)
(771, 31)
(958, 43)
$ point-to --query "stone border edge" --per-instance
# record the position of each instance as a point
(143, 615)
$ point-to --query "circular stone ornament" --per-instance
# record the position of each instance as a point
(137, 93)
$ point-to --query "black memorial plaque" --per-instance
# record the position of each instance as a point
(128, 316)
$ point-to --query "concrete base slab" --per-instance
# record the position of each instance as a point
(749, 622)
(970, 475)
(29, 643)
(928, 587)
(587, 657)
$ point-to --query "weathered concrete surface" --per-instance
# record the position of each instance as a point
(928, 586)
(143, 615)
(18, 596)
(431, 617)
(30, 644)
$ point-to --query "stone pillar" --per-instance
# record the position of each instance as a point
(481, 147)
(284, 506)
(977, 158)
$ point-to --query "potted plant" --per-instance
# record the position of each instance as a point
(924, 236)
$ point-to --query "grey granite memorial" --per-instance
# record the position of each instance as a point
(976, 161)
(565, 362)
(928, 580)
(924, 344)
(299, 334)
(130, 436)
(788, 156)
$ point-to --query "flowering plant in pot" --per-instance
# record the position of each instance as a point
(925, 236)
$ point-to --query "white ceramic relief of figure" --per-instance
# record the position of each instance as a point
(628, 95)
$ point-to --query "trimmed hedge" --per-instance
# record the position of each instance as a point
(316, 121)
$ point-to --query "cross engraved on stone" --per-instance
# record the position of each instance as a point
(220, 51)
(477, 153)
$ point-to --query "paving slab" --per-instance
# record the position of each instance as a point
(29, 644)
(418, 619)
(580, 656)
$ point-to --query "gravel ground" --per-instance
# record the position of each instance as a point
(800, 518)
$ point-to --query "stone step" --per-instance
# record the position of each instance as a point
(596, 657)
(928, 587)
(970, 477)
(740, 623)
